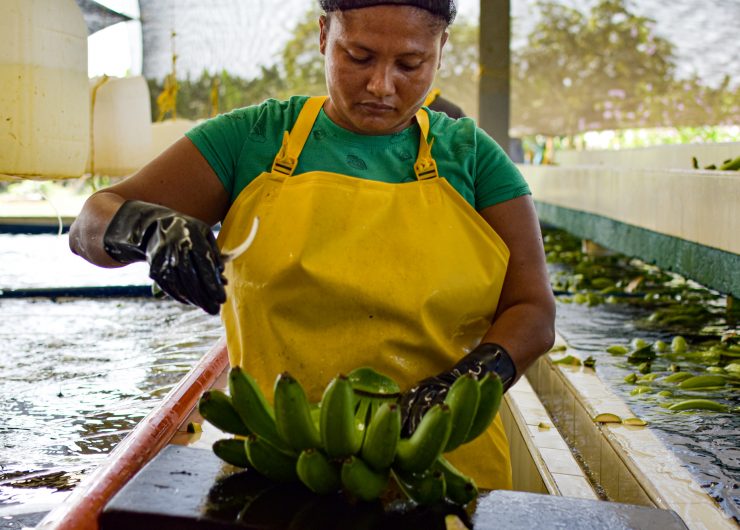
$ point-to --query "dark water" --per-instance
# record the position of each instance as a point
(78, 374)
(707, 443)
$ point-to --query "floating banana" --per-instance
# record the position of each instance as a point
(231, 451)
(491, 393)
(361, 480)
(339, 435)
(269, 461)
(253, 408)
(417, 453)
(677, 377)
(317, 472)
(423, 488)
(678, 344)
(217, 408)
(462, 398)
(293, 414)
(460, 488)
(699, 404)
(382, 437)
(702, 381)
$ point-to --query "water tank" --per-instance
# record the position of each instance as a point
(121, 125)
(165, 133)
(44, 105)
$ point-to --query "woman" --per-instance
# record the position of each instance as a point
(390, 236)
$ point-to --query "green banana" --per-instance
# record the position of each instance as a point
(382, 437)
(269, 461)
(362, 416)
(732, 164)
(423, 488)
(339, 434)
(374, 388)
(231, 451)
(216, 407)
(253, 408)
(317, 472)
(375, 404)
(461, 489)
(293, 414)
(677, 377)
(699, 404)
(462, 398)
(417, 453)
(702, 381)
(491, 394)
(361, 480)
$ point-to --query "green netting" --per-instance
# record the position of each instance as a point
(577, 65)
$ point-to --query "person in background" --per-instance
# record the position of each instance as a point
(389, 236)
(436, 102)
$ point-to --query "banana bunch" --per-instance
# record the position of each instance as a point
(420, 468)
(351, 440)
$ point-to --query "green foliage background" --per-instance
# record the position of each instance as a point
(605, 69)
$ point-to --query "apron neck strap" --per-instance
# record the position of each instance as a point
(287, 158)
(425, 167)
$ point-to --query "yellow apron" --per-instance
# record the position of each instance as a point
(347, 272)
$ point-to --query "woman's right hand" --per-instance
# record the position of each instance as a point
(164, 216)
(181, 251)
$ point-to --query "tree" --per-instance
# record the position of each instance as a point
(459, 74)
(302, 65)
(584, 72)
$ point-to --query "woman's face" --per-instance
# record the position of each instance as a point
(380, 64)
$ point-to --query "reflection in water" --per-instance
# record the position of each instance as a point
(77, 377)
(707, 443)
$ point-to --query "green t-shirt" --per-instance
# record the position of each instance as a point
(243, 143)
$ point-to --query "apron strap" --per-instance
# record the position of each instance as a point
(287, 158)
(425, 167)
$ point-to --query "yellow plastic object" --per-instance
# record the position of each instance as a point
(121, 125)
(165, 133)
(44, 105)
(347, 272)
(433, 94)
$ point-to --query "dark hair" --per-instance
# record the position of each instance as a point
(444, 9)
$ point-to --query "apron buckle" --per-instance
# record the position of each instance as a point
(426, 169)
(285, 165)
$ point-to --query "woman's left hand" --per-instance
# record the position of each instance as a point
(485, 358)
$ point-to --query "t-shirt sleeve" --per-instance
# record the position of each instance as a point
(241, 144)
(497, 179)
(221, 139)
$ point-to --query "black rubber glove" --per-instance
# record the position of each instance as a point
(181, 251)
(486, 357)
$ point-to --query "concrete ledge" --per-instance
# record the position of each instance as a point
(709, 266)
(696, 206)
(676, 156)
(629, 463)
(540, 457)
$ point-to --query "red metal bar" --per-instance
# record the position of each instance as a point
(81, 509)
